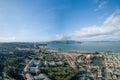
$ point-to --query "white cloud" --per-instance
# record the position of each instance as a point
(101, 5)
(62, 37)
(110, 27)
(109, 30)
(114, 18)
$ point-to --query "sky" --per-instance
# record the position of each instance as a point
(46, 20)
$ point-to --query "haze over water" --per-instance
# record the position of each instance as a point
(89, 46)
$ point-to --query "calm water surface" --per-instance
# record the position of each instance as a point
(88, 46)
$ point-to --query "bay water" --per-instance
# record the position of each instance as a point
(91, 46)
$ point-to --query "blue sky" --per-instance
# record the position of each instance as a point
(45, 20)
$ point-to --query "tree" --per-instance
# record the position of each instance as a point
(96, 52)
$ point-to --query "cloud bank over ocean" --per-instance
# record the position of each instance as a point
(109, 30)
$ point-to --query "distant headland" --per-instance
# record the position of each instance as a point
(65, 41)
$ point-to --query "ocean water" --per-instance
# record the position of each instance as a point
(92, 46)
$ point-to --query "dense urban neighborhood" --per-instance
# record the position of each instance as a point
(35, 61)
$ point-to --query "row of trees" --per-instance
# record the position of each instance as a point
(14, 67)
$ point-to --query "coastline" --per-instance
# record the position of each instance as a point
(88, 46)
